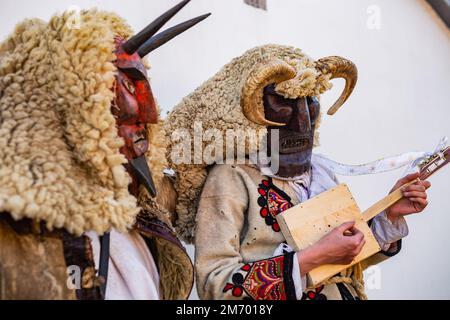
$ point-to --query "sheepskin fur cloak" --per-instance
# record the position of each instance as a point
(59, 148)
(216, 104)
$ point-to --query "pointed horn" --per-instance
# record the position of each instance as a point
(339, 67)
(133, 44)
(272, 72)
(167, 35)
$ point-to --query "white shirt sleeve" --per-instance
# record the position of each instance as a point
(299, 281)
(388, 233)
(132, 274)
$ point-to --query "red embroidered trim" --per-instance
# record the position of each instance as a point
(262, 280)
(272, 201)
(238, 280)
(315, 294)
(265, 280)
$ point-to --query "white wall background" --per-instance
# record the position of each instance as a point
(401, 102)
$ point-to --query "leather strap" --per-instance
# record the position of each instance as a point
(104, 261)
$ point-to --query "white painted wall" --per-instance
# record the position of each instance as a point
(399, 103)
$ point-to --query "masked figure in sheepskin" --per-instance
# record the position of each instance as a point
(81, 215)
(231, 208)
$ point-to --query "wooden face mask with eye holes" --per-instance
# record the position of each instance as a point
(296, 137)
(134, 106)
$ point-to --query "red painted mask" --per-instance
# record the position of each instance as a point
(134, 108)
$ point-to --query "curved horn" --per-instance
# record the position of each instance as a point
(339, 67)
(275, 71)
(133, 44)
(167, 35)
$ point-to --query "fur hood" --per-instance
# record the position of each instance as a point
(218, 105)
(59, 146)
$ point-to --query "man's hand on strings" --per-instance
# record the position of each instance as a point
(414, 197)
(340, 246)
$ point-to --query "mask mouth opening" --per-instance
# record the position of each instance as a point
(140, 137)
(294, 143)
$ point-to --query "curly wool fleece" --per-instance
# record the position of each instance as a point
(217, 105)
(59, 149)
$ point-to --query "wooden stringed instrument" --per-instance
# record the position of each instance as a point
(307, 222)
